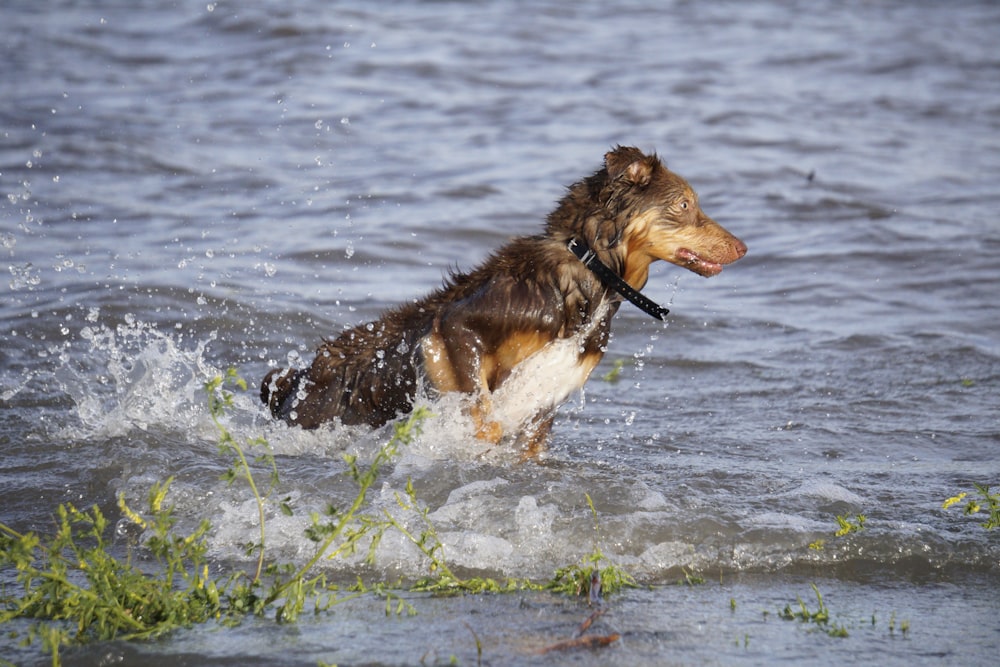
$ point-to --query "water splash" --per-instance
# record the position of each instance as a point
(134, 376)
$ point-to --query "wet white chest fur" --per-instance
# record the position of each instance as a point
(546, 379)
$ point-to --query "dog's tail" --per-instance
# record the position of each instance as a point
(276, 387)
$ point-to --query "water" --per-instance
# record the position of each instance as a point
(193, 186)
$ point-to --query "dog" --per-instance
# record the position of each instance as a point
(522, 332)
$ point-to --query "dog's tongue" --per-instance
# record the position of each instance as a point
(694, 262)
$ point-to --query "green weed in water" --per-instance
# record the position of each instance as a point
(220, 398)
(820, 617)
(845, 526)
(982, 500)
(588, 577)
(614, 374)
(441, 579)
(690, 578)
(71, 578)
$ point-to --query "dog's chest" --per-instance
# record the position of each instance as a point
(544, 380)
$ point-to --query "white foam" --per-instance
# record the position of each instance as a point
(136, 377)
(826, 491)
(476, 550)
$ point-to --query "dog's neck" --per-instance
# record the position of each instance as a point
(613, 281)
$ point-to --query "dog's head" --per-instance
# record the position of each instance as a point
(635, 211)
(656, 215)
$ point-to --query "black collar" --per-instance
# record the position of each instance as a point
(613, 281)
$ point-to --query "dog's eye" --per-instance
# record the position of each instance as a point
(684, 205)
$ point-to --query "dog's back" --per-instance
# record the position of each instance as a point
(364, 376)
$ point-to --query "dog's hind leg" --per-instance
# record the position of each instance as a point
(454, 361)
(276, 387)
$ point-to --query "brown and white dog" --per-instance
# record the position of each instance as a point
(522, 332)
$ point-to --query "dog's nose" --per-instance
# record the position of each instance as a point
(741, 248)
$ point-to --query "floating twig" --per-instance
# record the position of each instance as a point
(588, 622)
(590, 641)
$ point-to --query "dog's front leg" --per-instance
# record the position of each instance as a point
(456, 358)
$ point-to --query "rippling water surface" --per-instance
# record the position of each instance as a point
(194, 186)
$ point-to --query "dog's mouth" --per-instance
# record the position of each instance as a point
(694, 262)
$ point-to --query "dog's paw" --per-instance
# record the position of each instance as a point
(490, 432)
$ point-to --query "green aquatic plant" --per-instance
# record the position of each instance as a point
(220, 398)
(981, 500)
(441, 579)
(72, 579)
(820, 617)
(904, 626)
(587, 577)
(594, 574)
(614, 374)
(349, 526)
(845, 526)
(690, 578)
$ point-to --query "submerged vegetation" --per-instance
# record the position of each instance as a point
(821, 617)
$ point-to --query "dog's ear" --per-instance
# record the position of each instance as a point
(630, 164)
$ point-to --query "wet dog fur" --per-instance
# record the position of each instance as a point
(525, 329)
